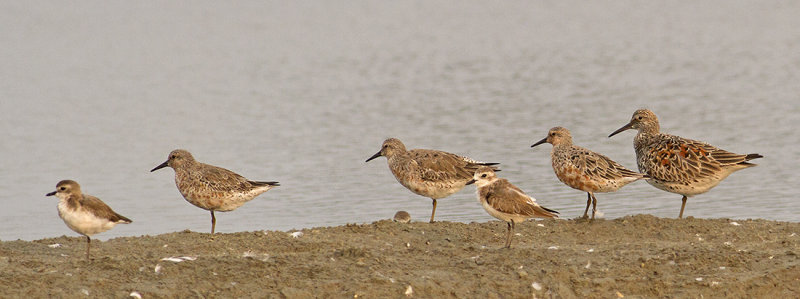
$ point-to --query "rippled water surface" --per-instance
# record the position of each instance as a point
(304, 92)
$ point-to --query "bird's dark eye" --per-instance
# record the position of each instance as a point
(483, 175)
(639, 117)
(62, 188)
(173, 156)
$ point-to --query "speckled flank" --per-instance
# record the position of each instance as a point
(210, 187)
(430, 173)
(585, 170)
(506, 202)
(83, 213)
(680, 165)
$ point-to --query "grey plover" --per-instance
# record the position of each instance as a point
(505, 201)
(210, 187)
(83, 213)
(430, 173)
(585, 170)
(680, 165)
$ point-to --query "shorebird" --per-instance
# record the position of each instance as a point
(680, 165)
(83, 213)
(585, 170)
(430, 173)
(505, 201)
(210, 187)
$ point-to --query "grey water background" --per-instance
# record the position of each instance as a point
(302, 92)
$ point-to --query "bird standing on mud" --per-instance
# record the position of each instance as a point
(210, 187)
(680, 165)
(585, 170)
(430, 173)
(83, 213)
(505, 201)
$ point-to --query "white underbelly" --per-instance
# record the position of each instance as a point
(83, 222)
(502, 216)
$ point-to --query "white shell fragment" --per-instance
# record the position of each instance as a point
(409, 291)
(56, 245)
(296, 234)
(135, 294)
(536, 286)
(178, 259)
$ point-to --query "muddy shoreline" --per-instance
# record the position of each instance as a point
(630, 257)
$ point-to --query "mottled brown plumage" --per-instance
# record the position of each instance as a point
(585, 170)
(505, 201)
(83, 213)
(680, 165)
(210, 187)
(430, 173)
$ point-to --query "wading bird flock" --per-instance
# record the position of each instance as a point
(668, 162)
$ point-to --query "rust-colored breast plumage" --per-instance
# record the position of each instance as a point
(674, 159)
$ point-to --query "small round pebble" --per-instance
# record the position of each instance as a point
(402, 217)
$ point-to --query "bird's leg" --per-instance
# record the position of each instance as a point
(213, 224)
(588, 202)
(594, 205)
(434, 209)
(509, 233)
(682, 206)
(88, 244)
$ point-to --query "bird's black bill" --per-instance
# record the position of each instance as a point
(540, 142)
(378, 154)
(472, 181)
(625, 127)
(160, 166)
(51, 193)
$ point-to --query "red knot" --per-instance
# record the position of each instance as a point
(505, 201)
(680, 165)
(210, 187)
(430, 173)
(585, 170)
(83, 213)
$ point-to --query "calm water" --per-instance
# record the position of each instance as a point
(304, 92)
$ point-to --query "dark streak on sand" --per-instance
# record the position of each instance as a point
(636, 256)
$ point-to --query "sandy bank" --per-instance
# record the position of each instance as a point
(635, 256)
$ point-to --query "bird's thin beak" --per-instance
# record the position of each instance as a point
(160, 166)
(540, 142)
(625, 127)
(472, 181)
(51, 193)
(378, 154)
